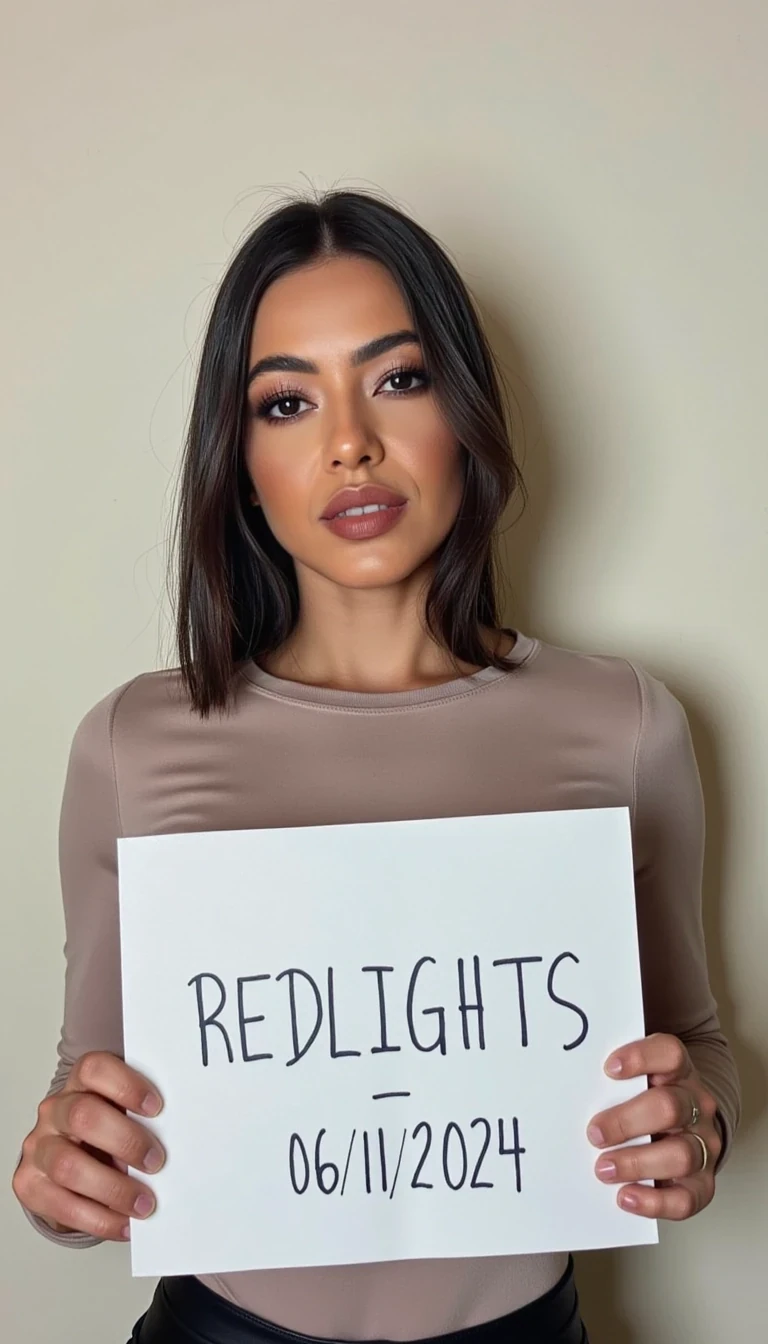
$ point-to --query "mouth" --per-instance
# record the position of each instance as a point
(359, 511)
(360, 514)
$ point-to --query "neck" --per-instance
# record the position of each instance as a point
(370, 640)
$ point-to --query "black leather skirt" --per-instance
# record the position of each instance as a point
(184, 1311)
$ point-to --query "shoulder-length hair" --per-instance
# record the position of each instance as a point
(235, 591)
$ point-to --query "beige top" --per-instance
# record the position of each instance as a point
(558, 730)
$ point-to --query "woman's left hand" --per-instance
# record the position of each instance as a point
(677, 1110)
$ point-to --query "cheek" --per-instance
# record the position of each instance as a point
(280, 481)
(438, 472)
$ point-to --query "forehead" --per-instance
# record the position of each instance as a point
(341, 301)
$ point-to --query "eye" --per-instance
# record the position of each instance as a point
(403, 380)
(282, 406)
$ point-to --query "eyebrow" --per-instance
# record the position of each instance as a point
(371, 350)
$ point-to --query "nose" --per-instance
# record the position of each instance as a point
(351, 441)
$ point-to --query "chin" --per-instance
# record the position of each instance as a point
(365, 566)
(371, 576)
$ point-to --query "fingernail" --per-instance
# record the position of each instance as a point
(144, 1205)
(595, 1136)
(151, 1105)
(125, 1232)
(153, 1160)
(606, 1170)
(614, 1067)
(629, 1201)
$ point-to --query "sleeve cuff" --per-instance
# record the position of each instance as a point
(721, 1126)
(77, 1241)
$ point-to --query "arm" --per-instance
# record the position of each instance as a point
(668, 828)
(691, 1106)
(92, 1023)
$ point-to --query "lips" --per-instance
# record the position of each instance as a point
(363, 514)
(364, 497)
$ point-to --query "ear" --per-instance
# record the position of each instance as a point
(255, 500)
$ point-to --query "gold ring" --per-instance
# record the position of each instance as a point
(695, 1115)
(704, 1152)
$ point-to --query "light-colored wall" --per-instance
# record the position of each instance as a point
(599, 171)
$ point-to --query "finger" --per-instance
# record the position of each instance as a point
(110, 1077)
(658, 1054)
(71, 1167)
(654, 1112)
(92, 1120)
(670, 1159)
(73, 1212)
(675, 1202)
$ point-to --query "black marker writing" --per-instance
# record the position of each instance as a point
(566, 1002)
(384, 1048)
(244, 1021)
(439, 1042)
(335, 1053)
(300, 1050)
(211, 1019)
(458, 1155)
(519, 962)
(466, 1008)
(476, 1017)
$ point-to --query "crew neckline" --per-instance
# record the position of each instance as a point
(522, 650)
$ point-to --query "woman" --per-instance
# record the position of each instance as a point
(341, 660)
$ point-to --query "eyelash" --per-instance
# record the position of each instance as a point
(286, 392)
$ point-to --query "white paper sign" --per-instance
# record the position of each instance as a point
(380, 1042)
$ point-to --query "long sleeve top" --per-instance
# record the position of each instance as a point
(554, 729)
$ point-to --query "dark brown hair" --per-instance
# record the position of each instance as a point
(236, 596)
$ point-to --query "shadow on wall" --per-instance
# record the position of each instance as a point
(599, 1273)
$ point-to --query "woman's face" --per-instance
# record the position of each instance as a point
(342, 417)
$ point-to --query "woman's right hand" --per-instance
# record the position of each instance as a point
(73, 1167)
